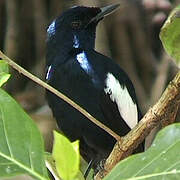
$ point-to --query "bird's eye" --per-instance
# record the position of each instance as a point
(76, 24)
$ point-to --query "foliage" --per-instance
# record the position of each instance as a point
(21, 150)
(160, 161)
(4, 72)
(65, 159)
(66, 156)
(170, 34)
(21, 144)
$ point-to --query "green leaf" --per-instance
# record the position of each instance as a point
(4, 66)
(170, 34)
(160, 161)
(50, 164)
(4, 76)
(66, 156)
(8, 168)
(21, 144)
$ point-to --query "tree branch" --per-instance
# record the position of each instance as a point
(164, 112)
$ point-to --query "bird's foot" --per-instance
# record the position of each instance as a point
(100, 166)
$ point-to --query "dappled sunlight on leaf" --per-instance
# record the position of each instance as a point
(66, 156)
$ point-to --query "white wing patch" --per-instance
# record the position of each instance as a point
(121, 96)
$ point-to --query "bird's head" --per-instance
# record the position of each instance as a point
(76, 27)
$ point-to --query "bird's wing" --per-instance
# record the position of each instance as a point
(118, 99)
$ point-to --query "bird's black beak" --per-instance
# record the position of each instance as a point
(105, 11)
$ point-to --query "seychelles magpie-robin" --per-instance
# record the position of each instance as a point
(90, 79)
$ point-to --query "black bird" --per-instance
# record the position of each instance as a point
(92, 80)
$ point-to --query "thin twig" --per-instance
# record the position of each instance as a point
(59, 94)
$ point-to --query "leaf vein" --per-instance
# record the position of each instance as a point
(29, 170)
(5, 134)
(155, 158)
(30, 148)
(172, 166)
(152, 175)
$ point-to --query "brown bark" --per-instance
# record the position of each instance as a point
(2, 21)
(11, 38)
(40, 35)
(39, 27)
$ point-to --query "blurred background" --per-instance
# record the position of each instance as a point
(130, 36)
